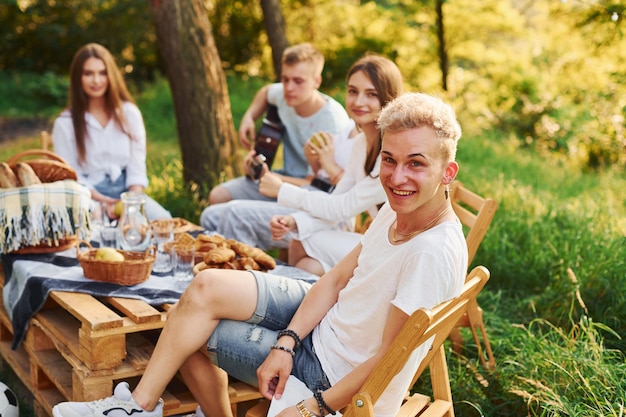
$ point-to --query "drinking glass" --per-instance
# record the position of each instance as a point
(108, 236)
(183, 262)
(98, 219)
(162, 233)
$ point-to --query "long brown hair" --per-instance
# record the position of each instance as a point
(388, 82)
(116, 94)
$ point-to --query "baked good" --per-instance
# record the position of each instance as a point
(219, 255)
(8, 179)
(265, 261)
(26, 175)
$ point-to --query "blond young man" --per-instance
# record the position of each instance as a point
(303, 111)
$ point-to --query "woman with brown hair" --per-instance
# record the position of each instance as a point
(323, 229)
(101, 132)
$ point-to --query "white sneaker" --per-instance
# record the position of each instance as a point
(121, 404)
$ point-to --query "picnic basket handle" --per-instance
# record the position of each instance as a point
(81, 243)
(35, 152)
(150, 251)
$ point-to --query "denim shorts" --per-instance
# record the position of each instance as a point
(241, 347)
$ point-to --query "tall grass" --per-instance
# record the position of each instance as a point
(555, 307)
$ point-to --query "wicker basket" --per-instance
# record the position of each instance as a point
(134, 269)
(48, 166)
(52, 247)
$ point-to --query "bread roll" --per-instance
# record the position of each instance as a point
(26, 174)
(219, 256)
(7, 177)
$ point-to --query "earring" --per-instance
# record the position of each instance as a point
(447, 191)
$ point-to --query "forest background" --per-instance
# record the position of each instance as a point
(539, 87)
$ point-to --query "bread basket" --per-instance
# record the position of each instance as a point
(48, 247)
(48, 166)
(134, 269)
(47, 217)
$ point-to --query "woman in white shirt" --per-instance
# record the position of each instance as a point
(101, 133)
(322, 238)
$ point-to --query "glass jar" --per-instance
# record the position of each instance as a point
(134, 228)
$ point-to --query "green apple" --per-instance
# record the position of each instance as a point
(109, 254)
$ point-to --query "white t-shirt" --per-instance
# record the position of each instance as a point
(108, 149)
(420, 273)
(331, 118)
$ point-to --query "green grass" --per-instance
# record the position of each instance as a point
(555, 307)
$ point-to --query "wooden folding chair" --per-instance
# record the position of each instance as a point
(476, 214)
(422, 325)
(420, 328)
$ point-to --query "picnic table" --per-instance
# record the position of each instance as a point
(69, 338)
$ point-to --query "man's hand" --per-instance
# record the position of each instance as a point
(273, 373)
(247, 131)
(281, 225)
(270, 183)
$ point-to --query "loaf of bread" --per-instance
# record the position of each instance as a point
(26, 175)
(8, 179)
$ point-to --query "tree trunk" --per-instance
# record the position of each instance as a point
(206, 132)
(443, 53)
(276, 32)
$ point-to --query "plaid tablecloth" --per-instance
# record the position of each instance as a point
(43, 213)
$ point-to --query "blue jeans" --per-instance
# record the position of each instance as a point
(247, 221)
(114, 189)
(243, 188)
(241, 347)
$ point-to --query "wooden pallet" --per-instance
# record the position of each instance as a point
(78, 347)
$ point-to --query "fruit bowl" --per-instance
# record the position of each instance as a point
(133, 268)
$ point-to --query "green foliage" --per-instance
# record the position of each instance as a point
(41, 95)
(561, 372)
(40, 35)
(239, 33)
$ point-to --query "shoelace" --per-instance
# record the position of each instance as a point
(109, 402)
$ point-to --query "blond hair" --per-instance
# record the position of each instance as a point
(414, 110)
(304, 52)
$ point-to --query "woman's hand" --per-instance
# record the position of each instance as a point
(270, 184)
(323, 144)
(281, 225)
(273, 373)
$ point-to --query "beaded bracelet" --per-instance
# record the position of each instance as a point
(292, 334)
(304, 411)
(319, 404)
(322, 404)
(284, 348)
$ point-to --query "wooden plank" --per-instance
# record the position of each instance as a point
(137, 310)
(91, 313)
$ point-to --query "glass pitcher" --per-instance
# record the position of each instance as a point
(134, 228)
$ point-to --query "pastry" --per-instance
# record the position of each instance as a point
(265, 261)
(7, 177)
(26, 174)
(219, 256)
